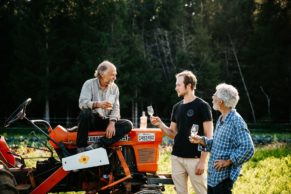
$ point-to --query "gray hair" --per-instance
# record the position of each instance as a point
(102, 67)
(228, 94)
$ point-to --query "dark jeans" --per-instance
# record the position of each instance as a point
(92, 122)
(224, 187)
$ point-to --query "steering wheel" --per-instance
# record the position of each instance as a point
(19, 113)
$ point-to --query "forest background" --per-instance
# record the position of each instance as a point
(49, 48)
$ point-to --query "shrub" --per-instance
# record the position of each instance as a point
(268, 172)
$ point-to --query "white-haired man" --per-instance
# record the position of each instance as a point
(231, 145)
(99, 104)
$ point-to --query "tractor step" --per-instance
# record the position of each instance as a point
(161, 178)
(23, 187)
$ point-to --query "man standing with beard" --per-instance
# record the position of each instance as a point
(231, 145)
(187, 161)
(99, 104)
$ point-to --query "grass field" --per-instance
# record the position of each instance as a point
(268, 172)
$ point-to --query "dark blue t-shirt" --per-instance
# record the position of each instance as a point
(185, 115)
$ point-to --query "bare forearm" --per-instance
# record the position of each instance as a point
(167, 130)
(203, 156)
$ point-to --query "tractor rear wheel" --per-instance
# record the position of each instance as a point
(7, 182)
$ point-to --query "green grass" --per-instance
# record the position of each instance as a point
(268, 172)
(31, 155)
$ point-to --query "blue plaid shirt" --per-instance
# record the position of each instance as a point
(231, 140)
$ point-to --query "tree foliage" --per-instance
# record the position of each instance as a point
(49, 48)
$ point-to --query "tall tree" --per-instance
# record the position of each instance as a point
(268, 57)
(232, 27)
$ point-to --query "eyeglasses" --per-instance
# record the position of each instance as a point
(215, 97)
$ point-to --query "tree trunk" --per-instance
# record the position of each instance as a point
(268, 101)
(134, 109)
(159, 55)
(47, 111)
(47, 108)
(242, 78)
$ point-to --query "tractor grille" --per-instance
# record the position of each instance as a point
(146, 155)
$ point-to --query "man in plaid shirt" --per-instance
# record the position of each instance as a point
(231, 145)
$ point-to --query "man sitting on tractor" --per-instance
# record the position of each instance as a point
(100, 110)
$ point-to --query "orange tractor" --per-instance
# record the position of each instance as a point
(128, 166)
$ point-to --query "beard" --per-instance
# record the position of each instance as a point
(181, 94)
(215, 107)
(109, 82)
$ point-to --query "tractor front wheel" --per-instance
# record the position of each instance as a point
(7, 182)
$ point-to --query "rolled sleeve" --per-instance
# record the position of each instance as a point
(208, 145)
(245, 148)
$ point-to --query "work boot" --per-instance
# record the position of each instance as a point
(81, 149)
(95, 145)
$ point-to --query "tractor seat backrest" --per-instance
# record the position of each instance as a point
(68, 137)
(73, 129)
